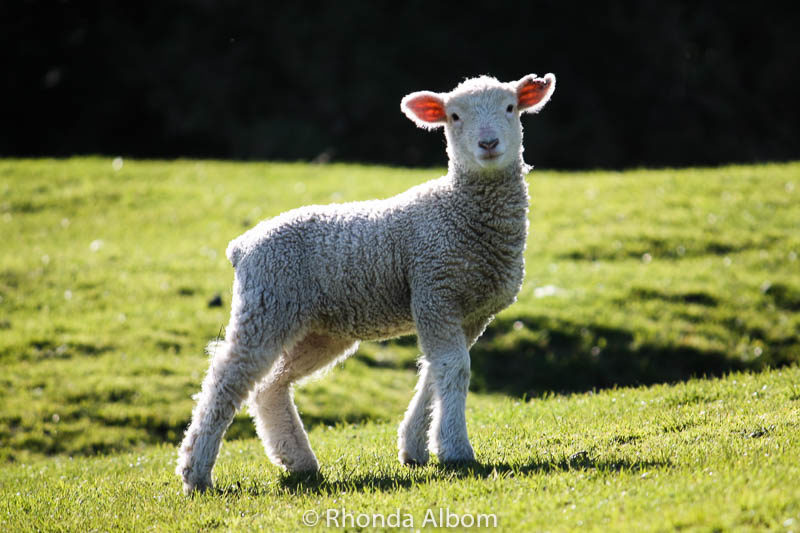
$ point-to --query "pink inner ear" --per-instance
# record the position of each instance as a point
(531, 92)
(427, 108)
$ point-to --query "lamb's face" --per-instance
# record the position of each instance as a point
(483, 129)
(481, 118)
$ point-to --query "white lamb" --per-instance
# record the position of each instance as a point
(438, 260)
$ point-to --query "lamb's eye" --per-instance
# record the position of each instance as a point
(455, 117)
(510, 108)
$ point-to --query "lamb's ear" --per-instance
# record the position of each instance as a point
(425, 108)
(534, 92)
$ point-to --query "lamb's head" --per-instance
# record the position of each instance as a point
(481, 118)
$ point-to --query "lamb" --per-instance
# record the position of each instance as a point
(439, 260)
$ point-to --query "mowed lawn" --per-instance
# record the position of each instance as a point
(647, 377)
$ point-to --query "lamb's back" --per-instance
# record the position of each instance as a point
(348, 262)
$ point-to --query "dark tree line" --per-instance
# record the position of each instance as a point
(639, 83)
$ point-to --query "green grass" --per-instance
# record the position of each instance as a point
(633, 279)
(706, 455)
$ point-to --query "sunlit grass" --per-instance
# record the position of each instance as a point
(712, 455)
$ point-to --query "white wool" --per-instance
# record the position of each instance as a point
(438, 260)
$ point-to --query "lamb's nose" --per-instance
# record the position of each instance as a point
(489, 145)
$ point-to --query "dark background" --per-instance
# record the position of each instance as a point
(639, 83)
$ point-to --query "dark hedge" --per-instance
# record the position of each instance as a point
(639, 83)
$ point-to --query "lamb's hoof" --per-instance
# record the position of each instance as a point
(305, 465)
(409, 459)
(190, 487)
(457, 463)
(460, 456)
(193, 481)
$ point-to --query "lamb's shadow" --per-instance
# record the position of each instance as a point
(529, 355)
(317, 483)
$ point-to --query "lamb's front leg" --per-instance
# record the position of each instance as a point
(412, 436)
(447, 353)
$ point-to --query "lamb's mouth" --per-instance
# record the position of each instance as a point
(490, 156)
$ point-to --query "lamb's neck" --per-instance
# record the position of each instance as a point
(500, 197)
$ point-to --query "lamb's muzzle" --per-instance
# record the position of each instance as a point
(489, 145)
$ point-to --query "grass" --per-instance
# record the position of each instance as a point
(109, 282)
(707, 455)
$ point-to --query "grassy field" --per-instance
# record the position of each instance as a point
(704, 455)
(111, 272)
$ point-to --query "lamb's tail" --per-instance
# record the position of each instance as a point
(216, 346)
(234, 252)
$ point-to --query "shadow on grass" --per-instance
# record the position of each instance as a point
(316, 483)
(670, 249)
(519, 356)
(533, 355)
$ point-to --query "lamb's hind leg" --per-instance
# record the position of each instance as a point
(232, 373)
(272, 406)
(255, 336)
